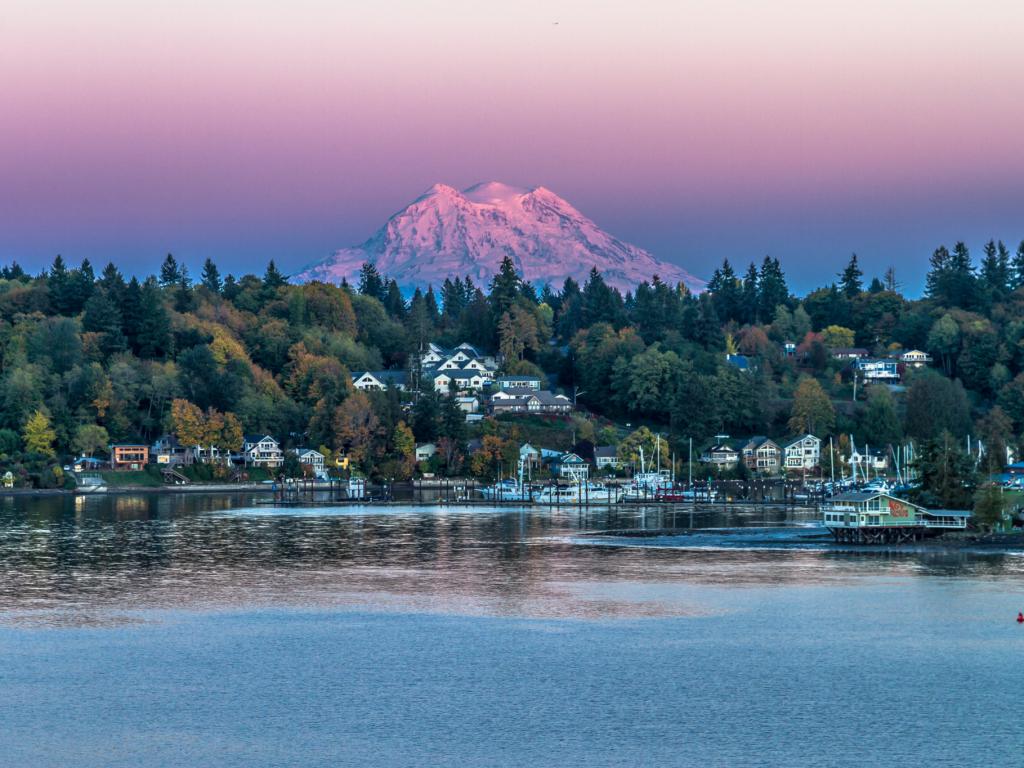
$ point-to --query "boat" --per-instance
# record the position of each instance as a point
(579, 493)
(686, 494)
(509, 489)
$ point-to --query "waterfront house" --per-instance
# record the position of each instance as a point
(168, 451)
(262, 451)
(762, 454)
(529, 455)
(721, 455)
(876, 517)
(572, 467)
(379, 380)
(425, 451)
(311, 458)
(789, 349)
(129, 456)
(606, 457)
(869, 460)
(802, 453)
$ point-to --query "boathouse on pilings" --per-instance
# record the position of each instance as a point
(875, 517)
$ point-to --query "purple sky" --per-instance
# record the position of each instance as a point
(698, 130)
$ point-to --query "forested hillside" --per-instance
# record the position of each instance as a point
(89, 359)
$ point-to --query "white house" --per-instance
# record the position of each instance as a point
(869, 460)
(803, 452)
(721, 455)
(762, 454)
(606, 457)
(378, 380)
(878, 370)
(262, 451)
(528, 401)
(425, 450)
(571, 467)
(311, 458)
(529, 455)
(915, 358)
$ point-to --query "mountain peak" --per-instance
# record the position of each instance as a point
(447, 233)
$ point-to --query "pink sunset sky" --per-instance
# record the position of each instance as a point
(252, 130)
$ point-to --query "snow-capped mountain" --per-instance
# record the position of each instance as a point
(448, 233)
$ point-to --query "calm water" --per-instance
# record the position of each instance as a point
(190, 631)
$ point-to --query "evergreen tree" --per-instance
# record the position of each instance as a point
(1017, 268)
(170, 274)
(600, 302)
(727, 291)
(947, 473)
(750, 297)
(211, 276)
(58, 283)
(850, 279)
(772, 288)
(154, 335)
(370, 282)
(231, 288)
(394, 303)
(102, 316)
(272, 280)
(505, 287)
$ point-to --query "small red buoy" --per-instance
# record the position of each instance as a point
(1020, 617)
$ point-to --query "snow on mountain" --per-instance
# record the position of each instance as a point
(448, 233)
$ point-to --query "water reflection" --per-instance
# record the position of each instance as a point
(94, 559)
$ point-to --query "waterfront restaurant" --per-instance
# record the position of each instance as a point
(876, 517)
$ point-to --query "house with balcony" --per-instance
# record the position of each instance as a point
(878, 370)
(129, 456)
(606, 457)
(312, 458)
(529, 401)
(915, 358)
(721, 455)
(262, 451)
(518, 382)
(802, 453)
(877, 517)
(762, 454)
(169, 452)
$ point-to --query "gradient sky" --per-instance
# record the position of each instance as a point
(698, 130)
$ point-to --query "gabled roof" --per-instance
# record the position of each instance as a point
(258, 438)
(606, 452)
(791, 441)
(859, 496)
(757, 441)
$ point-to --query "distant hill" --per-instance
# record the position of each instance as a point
(448, 233)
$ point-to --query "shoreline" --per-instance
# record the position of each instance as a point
(129, 489)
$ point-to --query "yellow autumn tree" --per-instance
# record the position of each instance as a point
(188, 423)
(39, 435)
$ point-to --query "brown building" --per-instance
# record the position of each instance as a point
(126, 456)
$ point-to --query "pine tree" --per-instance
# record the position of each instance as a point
(850, 279)
(154, 335)
(211, 276)
(370, 282)
(1017, 268)
(750, 300)
(772, 289)
(273, 279)
(57, 281)
(504, 287)
(170, 274)
(103, 316)
(394, 302)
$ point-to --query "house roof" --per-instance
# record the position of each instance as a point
(397, 376)
(758, 440)
(258, 438)
(857, 496)
(570, 458)
(739, 361)
(606, 452)
(848, 351)
(128, 445)
(790, 441)
(721, 448)
(519, 378)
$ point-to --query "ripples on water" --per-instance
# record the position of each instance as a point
(90, 560)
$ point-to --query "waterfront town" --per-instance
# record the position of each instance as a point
(170, 382)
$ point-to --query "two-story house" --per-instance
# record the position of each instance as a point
(721, 455)
(378, 380)
(262, 451)
(879, 370)
(312, 458)
(129, 456)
